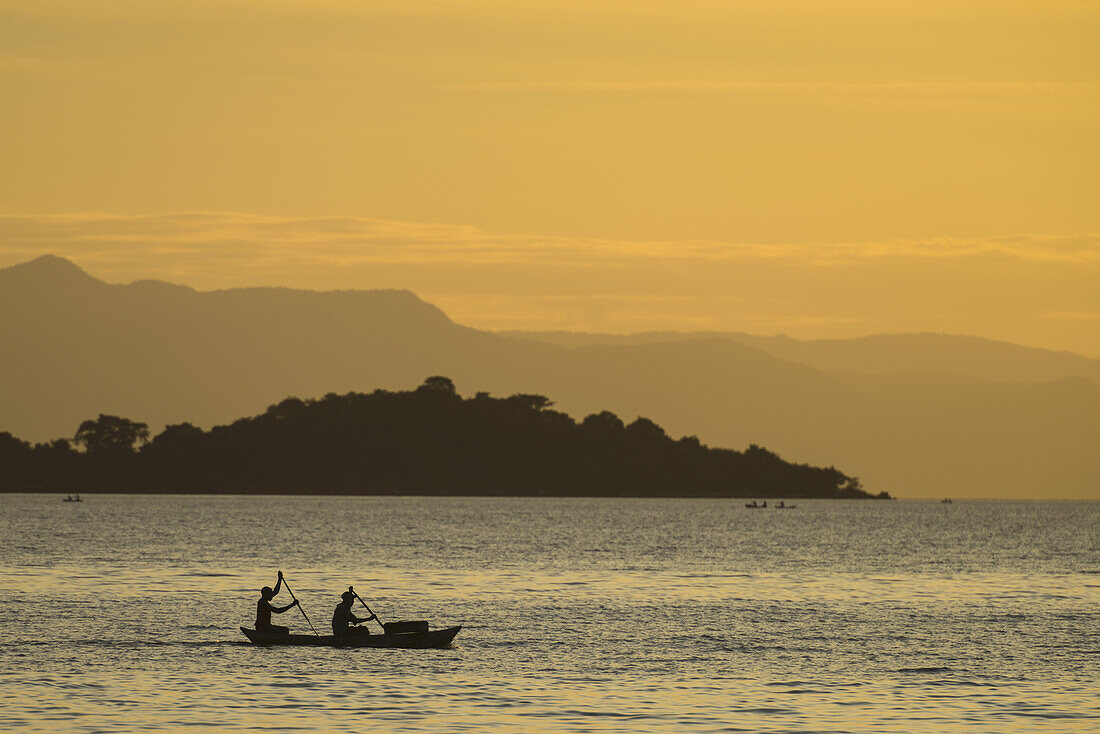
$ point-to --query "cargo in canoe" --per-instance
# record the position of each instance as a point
(407, 640)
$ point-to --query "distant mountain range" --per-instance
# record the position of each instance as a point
(912, 414)
(971, 356)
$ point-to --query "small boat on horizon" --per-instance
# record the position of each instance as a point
(72, 498)
(431, 639)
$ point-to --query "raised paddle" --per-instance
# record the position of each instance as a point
(376, 619)
(303, 611)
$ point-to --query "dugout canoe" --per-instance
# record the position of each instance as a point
(406, 640)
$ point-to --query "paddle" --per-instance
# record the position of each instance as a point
(303, 611)
(376, 619)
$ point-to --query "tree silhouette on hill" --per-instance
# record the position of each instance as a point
(110, 434)
(428, 441)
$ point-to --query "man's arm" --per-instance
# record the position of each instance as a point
(352, 614)
(278, 585)
(280, 610)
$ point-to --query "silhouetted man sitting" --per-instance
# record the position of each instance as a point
(342, 618)
(264, 609)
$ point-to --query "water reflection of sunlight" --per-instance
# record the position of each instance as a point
(138, 580)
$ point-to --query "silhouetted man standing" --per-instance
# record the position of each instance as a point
(264, 609)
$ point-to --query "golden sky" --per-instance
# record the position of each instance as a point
(816, 168)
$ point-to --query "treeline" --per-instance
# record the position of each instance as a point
(429, 441)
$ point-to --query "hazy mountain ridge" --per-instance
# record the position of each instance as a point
(921, 352)
(74, 347)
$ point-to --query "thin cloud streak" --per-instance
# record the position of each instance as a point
(343, 240)
(772, 87)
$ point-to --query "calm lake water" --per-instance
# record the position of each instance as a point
(604, 615)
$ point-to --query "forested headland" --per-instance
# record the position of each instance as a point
(428, 441)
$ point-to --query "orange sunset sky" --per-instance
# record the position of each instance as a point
(822, 169)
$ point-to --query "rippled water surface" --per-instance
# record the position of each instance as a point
(122, 613)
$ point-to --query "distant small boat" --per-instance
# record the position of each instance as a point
(72, 499)
(945, 502)
(753, 506)
(405, 640)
